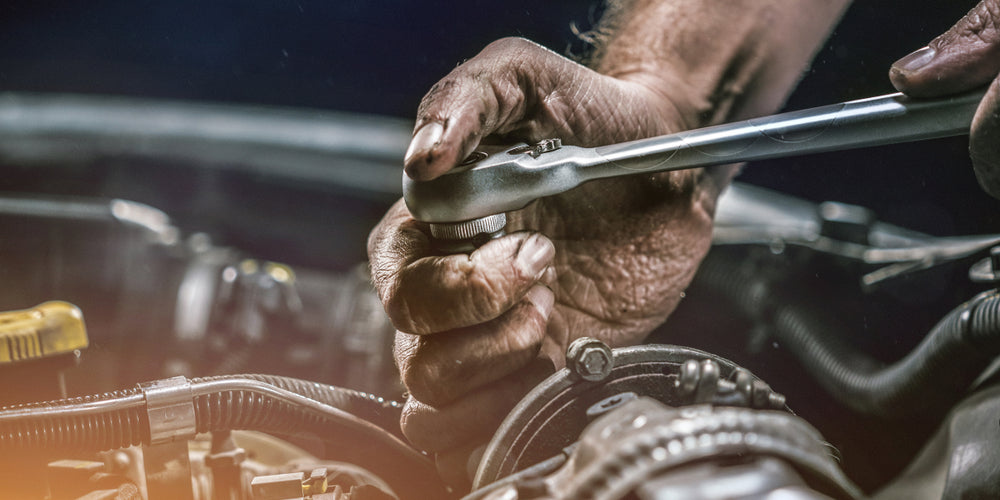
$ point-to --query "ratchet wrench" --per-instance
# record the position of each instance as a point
(468, 203)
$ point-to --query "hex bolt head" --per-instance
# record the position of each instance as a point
(589, 359)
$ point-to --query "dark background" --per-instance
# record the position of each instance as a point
(380, 57)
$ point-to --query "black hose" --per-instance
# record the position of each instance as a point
(99, 422)
(379, 411)
(124, 423)
(119, 419)
(927, 381)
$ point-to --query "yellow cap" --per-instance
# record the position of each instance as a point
(45, 330)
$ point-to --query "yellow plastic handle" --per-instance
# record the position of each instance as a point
(45, 330)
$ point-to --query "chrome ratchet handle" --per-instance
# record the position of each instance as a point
(488, 185)
(875, 121)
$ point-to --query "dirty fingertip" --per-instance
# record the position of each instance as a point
(420, 155)
(903, 71)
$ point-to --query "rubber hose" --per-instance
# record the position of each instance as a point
(379, 411)
(119, 419)
(352, 440)
(927, 381)
(124, 421)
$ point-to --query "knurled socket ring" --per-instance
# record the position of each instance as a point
(469, 229)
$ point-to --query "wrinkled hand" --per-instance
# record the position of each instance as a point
(608, 260)
(965, 57)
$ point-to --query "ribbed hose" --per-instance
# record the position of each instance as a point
(379, 411)
(231, 402)
(928, 381)
(100, 422)
(118, 419)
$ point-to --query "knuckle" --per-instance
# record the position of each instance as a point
(403, 346)
(398, 308)
(528, 336)
(511, 43)
(438, 92)
(982, 23)
(486, 297)
(425, 376)
(422, 381)
(417, 426)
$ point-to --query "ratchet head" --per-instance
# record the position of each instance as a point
(466, 236)
(466, 207)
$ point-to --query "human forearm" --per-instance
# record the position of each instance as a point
(714, 60)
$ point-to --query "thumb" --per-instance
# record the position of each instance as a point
(965, 57)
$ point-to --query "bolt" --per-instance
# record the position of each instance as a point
(589, 359)
(537, 149)
(545, 146)
(687, 380)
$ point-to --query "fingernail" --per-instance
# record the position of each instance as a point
(423, 141)
(542, 298)
(915, 60)
(535, 254)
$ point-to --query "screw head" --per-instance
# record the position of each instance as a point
(589, 359)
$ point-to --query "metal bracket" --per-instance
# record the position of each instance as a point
(170, 406)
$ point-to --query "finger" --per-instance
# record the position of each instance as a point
(984, 141)
(395, 241)
(471, 102)
(437, 369)
(427, 294)
(472, 419)
(965, 57)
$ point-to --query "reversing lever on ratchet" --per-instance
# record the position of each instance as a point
(470, 201)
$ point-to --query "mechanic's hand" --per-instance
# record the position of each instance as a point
(608, 260)
(965, 57)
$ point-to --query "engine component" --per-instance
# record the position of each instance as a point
(36, 345)
(655, 422)
(50, 329)
(278, 405)
(960, 461)
(553, 415)
(928, 381)
(750, 215)
(650, 450)
(290, 485)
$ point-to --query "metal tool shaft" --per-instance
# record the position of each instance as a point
(874, 121)
(510, 180)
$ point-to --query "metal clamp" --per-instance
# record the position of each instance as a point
(170, 407)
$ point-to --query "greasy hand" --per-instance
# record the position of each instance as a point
(965, 57)
(608, 260)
